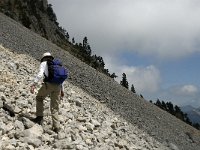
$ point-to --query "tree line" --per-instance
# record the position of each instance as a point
(167, 106)
(175, 111)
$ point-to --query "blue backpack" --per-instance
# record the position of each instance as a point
(57, 73)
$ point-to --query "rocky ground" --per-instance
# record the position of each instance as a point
(86, 123)
(90, 95)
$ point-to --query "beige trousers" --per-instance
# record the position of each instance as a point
(54, 91)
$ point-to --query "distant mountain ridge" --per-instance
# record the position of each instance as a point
(192, 113)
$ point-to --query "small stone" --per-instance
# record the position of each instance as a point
(19, 125)
(95, 123)
(27, 123)
(33, 141)
(79, 147)
(10, 147)
(35, 131)
(61, 135)
(82, 128)
(82, 119)
(88, 141)
(78, 102)
(3, 97)
(1, 103)
(90, 126)
(62, 144)
(17, 109)
(9, 127)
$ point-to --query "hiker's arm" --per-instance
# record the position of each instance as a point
(41, 72)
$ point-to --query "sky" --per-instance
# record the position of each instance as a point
(155, 43)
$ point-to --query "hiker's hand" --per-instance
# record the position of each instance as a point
(32, 89)
(62, 94)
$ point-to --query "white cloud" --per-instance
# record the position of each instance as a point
(167, 28)
(145, 79)
(187, 94)
(186, 90)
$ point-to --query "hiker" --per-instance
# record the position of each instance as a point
(54, 90)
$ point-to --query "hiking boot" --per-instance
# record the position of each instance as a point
(38, 120)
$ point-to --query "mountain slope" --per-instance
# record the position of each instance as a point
(85, 122)
(158, 124)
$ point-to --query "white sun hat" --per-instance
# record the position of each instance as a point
(47, 54)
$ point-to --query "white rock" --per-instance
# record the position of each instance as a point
(27, 123)
(9, 127)
(19, 125)
(88, 141)
(1, 103)
(61, 135)
(33, 141)
(81, 128)
(2, 127)
(95, 123)
(17, 109)
(9, 147)
(82, 119)
(89, 126)
(35, 131)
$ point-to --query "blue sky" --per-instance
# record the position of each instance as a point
(156, 43)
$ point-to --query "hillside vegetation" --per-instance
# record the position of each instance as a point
(38, 16)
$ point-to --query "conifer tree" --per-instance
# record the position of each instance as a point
(113, 75)
(163, 105)
(73, 41)
(86, 47)
(170, 108)
(67, 36)
(158, 103)
(51, 13)
(133, 88)
(124, 81)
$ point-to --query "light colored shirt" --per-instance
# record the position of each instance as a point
(43, 70)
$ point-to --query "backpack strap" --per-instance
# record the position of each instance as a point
(49, 63)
